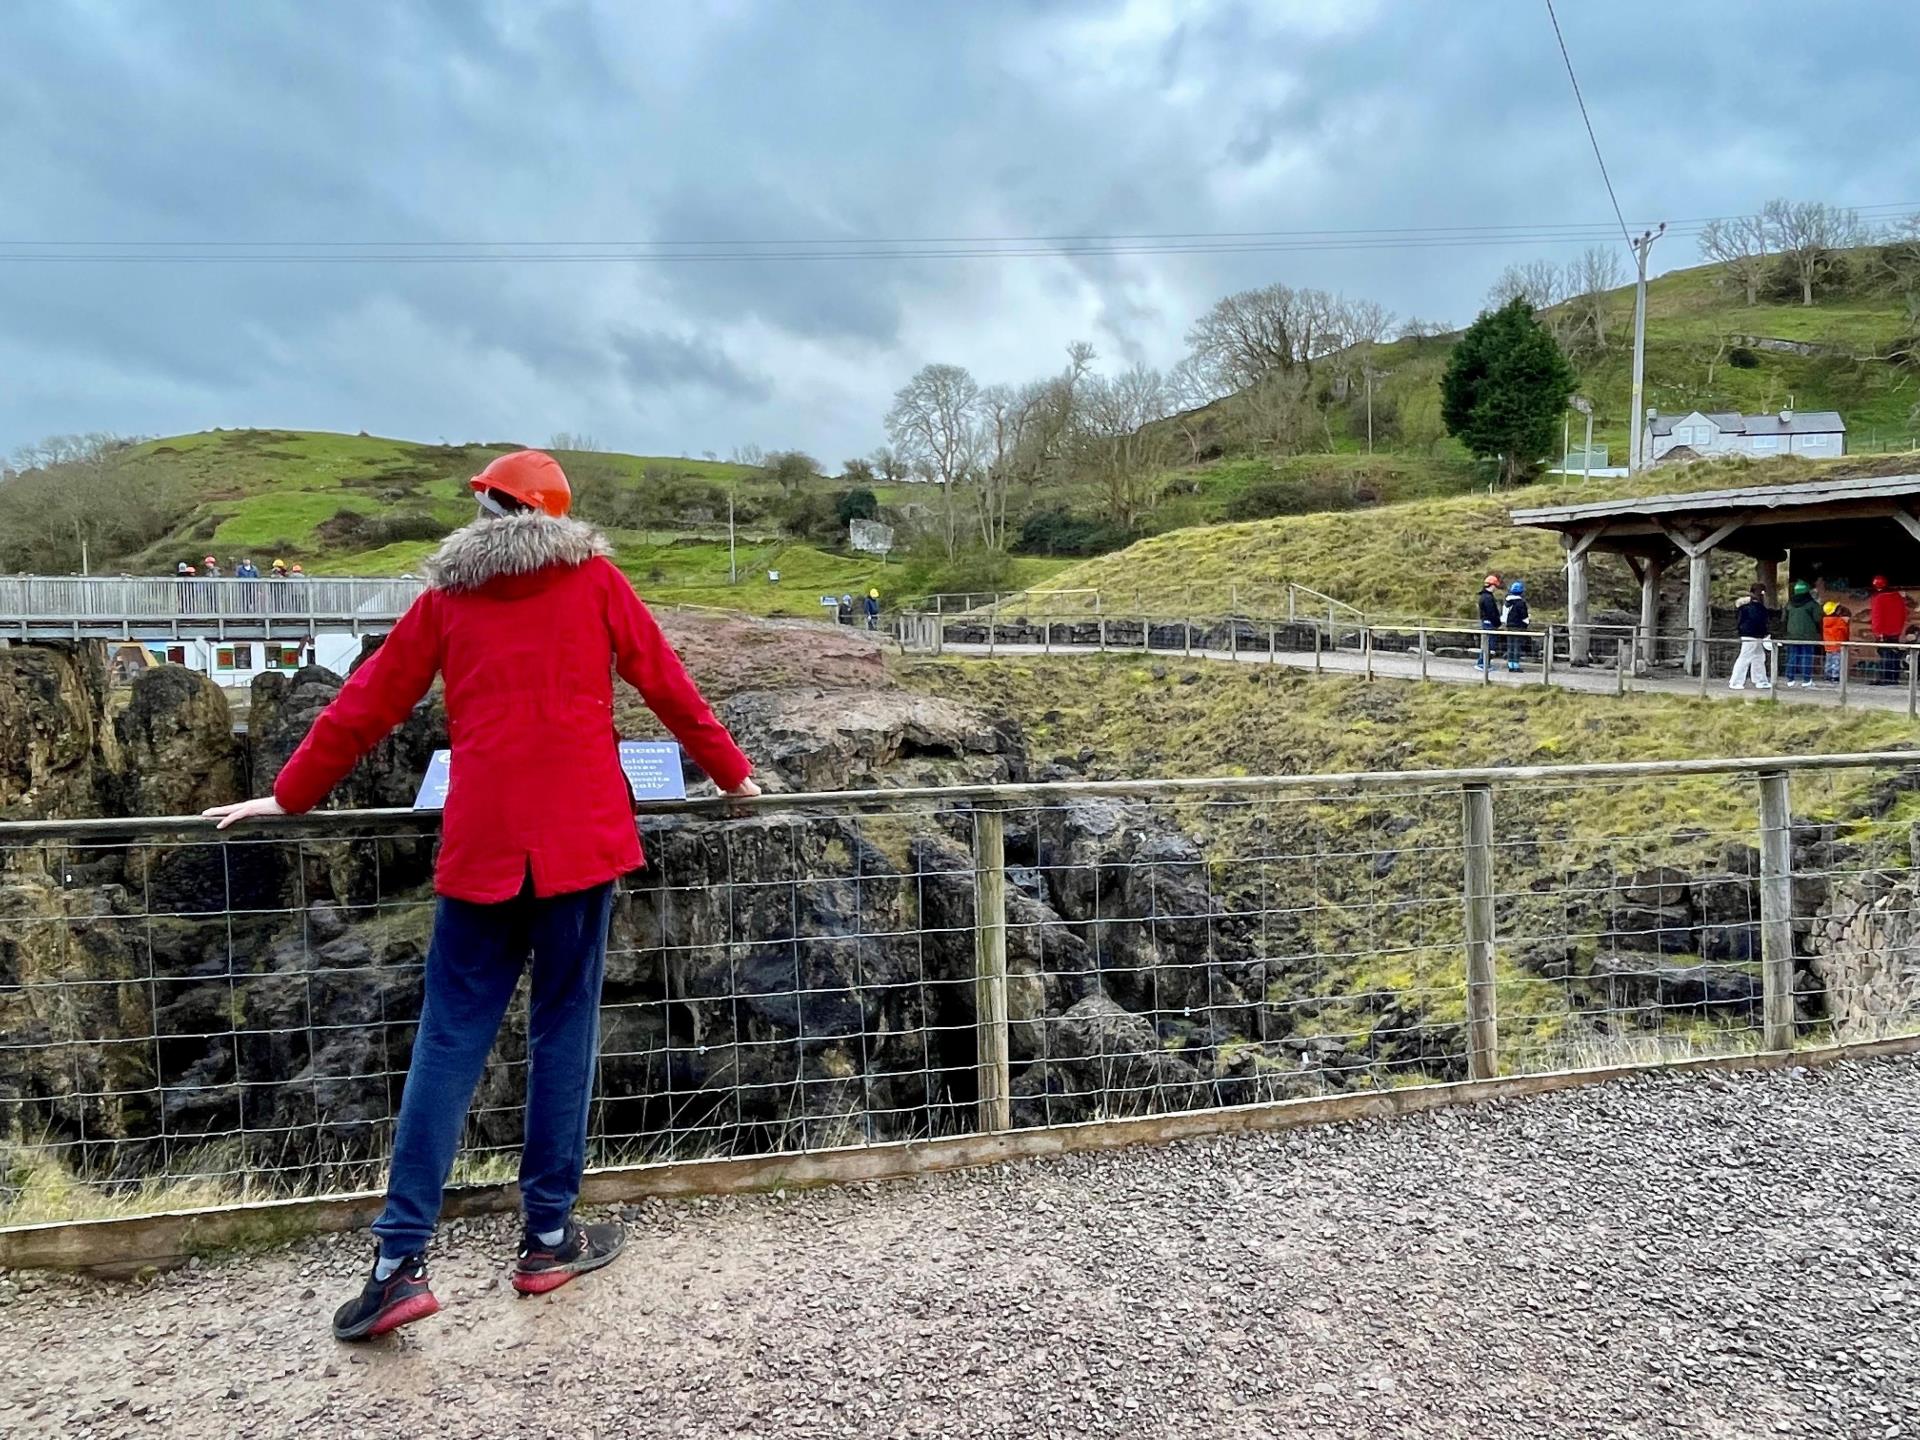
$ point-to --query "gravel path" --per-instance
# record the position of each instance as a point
(1670, 1257)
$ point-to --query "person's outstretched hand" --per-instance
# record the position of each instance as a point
(745, 790)
(247, 810)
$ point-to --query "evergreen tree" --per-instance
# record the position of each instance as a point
(1506, 384)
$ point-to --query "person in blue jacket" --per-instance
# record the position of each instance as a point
(1513, 619)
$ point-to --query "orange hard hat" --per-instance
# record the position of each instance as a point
(532, 477)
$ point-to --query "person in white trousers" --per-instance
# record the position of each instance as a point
(1751, 623)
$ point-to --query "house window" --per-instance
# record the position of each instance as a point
(223, 657)
(1766, 444)
(176, 654)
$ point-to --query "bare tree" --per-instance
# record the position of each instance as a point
(1739, 246)
(1542, 283)
(1809, 233)
(568, 440)
(1597, 272)
(73, 501)
(933, 427)
(1367, 324)
(889, 466)
(1897, 264)
(1191, 389)
(1122, 450)
(1005, 412)
(1416, 329)
(1249, 335)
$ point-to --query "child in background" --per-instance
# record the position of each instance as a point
(1834, 629)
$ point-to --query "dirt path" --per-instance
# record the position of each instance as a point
(1704, 1257)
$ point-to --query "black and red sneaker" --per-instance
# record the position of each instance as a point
(402, 1298)
(547, 1267)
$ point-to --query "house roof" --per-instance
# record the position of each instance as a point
(1799, 422)
(1761, 498)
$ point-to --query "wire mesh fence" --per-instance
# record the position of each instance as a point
(1596, 657)
(192, 1019)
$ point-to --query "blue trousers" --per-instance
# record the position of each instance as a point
(473, 966)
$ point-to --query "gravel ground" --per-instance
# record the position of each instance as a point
(1668, 1257)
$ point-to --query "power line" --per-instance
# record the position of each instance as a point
(739, 250)
(1580, 99)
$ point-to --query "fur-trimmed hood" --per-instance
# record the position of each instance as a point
(521, 544)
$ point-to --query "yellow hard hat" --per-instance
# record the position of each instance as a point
(873, 594)
(1832, 607)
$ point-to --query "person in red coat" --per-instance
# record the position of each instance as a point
(524, 618)
(1887, 618)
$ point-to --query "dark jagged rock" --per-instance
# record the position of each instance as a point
(58, 752)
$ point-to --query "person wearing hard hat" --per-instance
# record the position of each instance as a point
(873, 609)
(1803, 635)
(1513, 619)
(524, 617)
(1836, 625)
(1489, 619)
(211, 565)
(279, 571)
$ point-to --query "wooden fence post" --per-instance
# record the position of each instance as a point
(1776, 912)
(1483, 1025)
(990, 968)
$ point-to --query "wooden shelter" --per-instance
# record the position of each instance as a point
(1834, 534)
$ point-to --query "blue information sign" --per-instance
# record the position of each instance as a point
(652, 768)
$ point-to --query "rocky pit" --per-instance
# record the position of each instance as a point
(157, 993)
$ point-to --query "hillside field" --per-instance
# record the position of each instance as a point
(1421, 558)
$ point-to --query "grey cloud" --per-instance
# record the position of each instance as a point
(496, 119)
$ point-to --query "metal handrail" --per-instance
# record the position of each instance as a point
(1037, 793)
(136, 598)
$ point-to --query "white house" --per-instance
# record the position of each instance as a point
(234, 663)
(1698, 435)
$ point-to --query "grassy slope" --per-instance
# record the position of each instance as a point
(1688, 313)
(1421, 558)
(267, 493)
(1172, 719)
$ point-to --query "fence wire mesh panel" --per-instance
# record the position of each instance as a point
(190, 1019)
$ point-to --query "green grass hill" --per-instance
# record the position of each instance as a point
(368, 505)
(1418, 558)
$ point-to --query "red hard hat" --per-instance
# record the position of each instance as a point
(532, 477)
(1879, 582)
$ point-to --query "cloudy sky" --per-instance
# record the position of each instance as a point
(414, 128)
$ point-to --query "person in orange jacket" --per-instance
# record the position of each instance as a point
(1835, 627)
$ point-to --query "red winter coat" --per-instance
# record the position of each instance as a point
(1887, 614)
(526, 618)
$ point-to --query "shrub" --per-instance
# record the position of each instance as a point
(351, 530)
(1060, 531)
(809, 515)
(857, 504)
(971, 572)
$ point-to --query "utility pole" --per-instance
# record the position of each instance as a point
(1585, 407)
(1369, 373)
(1636, 444)
(733, 569)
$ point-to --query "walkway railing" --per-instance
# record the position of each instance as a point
(1616, 658)
(103, 606)
(189, 1018)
